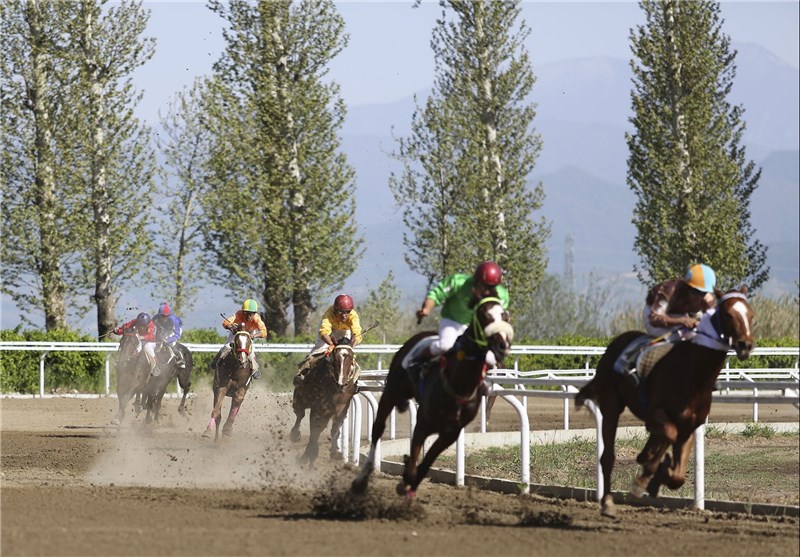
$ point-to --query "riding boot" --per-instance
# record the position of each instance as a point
(256, 370)
(302, 371)
(180, 362)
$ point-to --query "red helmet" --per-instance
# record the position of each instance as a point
(343, 302)
(489, 273)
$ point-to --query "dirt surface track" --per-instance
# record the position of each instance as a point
(73, 485)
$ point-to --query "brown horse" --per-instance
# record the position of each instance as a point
(327, 391)
(448, 395)
(232, 378)
(673, 400)
(156, 386)
(132, 373)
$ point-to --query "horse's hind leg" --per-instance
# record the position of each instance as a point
(650, 459)
(672, 472)
(610, 422)
(385, 406)
(216, 414)
(294, 434)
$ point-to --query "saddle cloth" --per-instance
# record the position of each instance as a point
(411, 357)
(651, 355)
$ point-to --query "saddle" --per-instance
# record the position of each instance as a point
(640, 357)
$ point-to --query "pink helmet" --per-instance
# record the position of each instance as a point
(489, 273)
(343, 302)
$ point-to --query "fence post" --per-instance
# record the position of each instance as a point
(41, 374)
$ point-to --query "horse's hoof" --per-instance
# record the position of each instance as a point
(182, 411)
(410, 494)
(336, 456)
(608, 509)
(403, 489)
(360, 484)
(207, 434)
(294, 436)
(653, 488)
(115, 421)
(637, 490)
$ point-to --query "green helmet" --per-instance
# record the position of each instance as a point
(250, 305)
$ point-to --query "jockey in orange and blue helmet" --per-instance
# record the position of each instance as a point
(245, 319)
(679, 303)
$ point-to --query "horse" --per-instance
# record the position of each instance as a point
(675, 397)
(448, 395)
(156, 386)
(327, 391)
(232, 378)
(132, 373)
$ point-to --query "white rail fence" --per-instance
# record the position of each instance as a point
(735, 385)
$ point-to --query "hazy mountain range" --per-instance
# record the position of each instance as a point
(583, 107)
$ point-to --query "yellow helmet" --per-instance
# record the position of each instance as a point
(250, 305)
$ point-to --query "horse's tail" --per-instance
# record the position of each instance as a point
(587, 392)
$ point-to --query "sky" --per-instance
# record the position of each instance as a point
(389, 58)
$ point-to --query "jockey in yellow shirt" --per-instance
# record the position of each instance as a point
(340, 321)
(246, 319)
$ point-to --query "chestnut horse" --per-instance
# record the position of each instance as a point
(675, 397)
(327, 391)
(449, 399)
(232, 378)
(132, 373)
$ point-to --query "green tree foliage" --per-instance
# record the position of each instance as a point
(383, 307)
(281, 201)
(177, 261)
(113, 163)
(463, 188)
(38, 208)
(687, 165)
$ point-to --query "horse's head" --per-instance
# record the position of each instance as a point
(129, 346)
(242, 346)
(491, 328)
(736, 321)
(342, 360)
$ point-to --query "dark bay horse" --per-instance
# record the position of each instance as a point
(232, 378)
(156, 386)
(327, 391)
(450, 397)
(675, 397)
(132, 372)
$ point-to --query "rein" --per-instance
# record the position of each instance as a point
(479, 335)
(720, 338)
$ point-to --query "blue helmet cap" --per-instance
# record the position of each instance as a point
(701, 277)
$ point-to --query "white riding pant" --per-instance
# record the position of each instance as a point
(320, 347)
(449, 331)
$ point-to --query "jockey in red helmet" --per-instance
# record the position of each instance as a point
(458, 294)
(145, 329)
(339, 322)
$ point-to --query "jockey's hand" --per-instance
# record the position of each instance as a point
(689, 322)
(118, 331)
(330, 349)
(421, 314)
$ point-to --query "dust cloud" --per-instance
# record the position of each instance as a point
(174, 454)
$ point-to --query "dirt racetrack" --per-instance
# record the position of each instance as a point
(74, 485)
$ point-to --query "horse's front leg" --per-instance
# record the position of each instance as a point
(236, 405)
(650, 458)
(216, 413)
(609, 432)
(409, 484)
(336, 429)
(673, 474)
(317, 422)
(299, 407)
(445, 439)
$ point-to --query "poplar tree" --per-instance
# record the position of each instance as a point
(464, 186)
(177, 263)
(38, 218)
(112, 160)
(687, 165)
(281, 203)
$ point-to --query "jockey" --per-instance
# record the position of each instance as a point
(145, 329)
(246, 319)
(168, 330)
(458, 295)
(340, 321)
(671, 312)
(679, 303)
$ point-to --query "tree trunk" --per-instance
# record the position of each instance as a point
(50, 264)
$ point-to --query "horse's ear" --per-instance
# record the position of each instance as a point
(718, 293)
(743, 289)
(506, 315)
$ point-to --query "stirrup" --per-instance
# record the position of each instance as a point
(298, 380)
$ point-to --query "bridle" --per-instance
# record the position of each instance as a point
(337, 361)
(716, 319)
